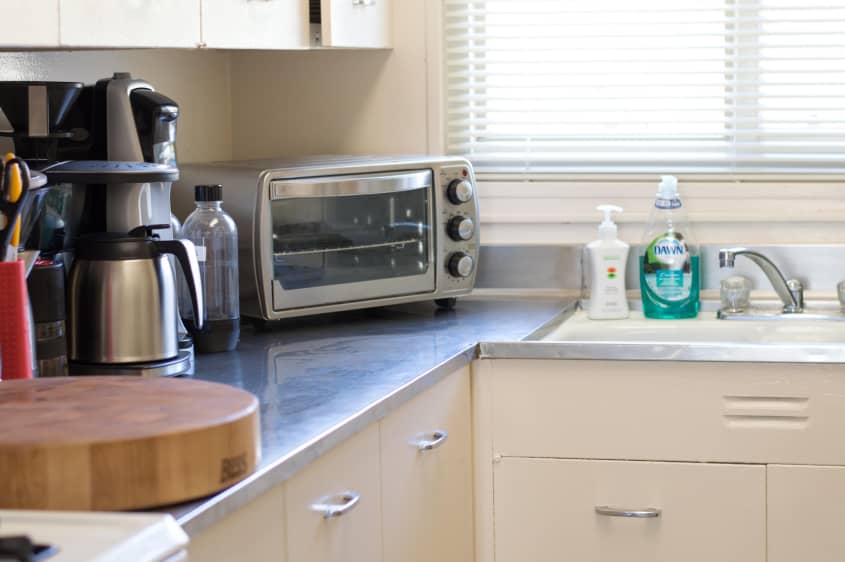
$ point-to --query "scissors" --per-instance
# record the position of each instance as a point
(14, 187)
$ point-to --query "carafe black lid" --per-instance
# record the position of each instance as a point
(113, 246)
(110, 171)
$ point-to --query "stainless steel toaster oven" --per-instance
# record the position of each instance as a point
(335, 233)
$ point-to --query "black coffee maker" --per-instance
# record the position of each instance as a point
(117, 119)
(108, 150)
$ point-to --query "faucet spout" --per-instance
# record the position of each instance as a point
(791, 292)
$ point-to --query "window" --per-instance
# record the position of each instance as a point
(718, 86)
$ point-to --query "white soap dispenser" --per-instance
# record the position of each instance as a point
(608, 256)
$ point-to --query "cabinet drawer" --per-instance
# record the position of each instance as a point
(129, 23)
(427, 501)
(246, 24)
(804, 506)
(356, 23)
(355, 536)
(676, 411)
(545, 511)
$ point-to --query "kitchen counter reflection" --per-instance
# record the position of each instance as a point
(321, 379)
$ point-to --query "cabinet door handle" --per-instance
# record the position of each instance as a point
(337, 505)
(363, 2)
(641, 512)
(436, 439)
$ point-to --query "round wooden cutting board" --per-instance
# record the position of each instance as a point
(115, 443)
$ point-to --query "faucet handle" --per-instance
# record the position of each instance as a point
(796, 288)
(735, 293)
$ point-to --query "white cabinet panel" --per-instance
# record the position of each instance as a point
(427, 494)
(251, 24)
(545, 511)
(256, 533)
(665, 410)
(30, 23)
(130, 23)
(805, 513)
(355, 536)
(356, 23)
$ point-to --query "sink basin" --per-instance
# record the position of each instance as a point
(706, 328)
(813, 338)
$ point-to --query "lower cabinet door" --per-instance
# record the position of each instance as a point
(575, 511)
(805, 513)
(427, 476)
(333, 507)
(255, 532)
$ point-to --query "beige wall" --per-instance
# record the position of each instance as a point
(197, 80)
(335, 101)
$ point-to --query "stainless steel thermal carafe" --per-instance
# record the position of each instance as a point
(122, 298)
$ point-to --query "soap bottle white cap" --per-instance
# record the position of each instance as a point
(668, 188)
(607, 228)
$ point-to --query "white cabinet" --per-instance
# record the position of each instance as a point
(546, 511)
(251, 24)
(805, 513)
(256, 533)
(749, 464)
(673, 411)
(347, 481)
(356, 23)
(427, 476)
(129, 23)
(217, 24)
(30, 23)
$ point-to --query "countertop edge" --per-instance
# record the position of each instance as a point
(228, 501)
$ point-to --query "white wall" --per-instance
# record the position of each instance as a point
(723, 210)
(197, 80)
(335, 102)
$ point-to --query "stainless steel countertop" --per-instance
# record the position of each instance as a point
(320, 380)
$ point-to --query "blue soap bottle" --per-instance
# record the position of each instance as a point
(668, 258)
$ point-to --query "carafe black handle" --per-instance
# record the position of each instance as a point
(186, 253)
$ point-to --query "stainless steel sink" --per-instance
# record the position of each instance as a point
(760, 338)
(706, 328)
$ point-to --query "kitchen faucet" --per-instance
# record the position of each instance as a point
(790, 292)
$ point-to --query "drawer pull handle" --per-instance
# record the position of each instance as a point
(641, 512)
(437, 438)
(337, 505)
(363, 2)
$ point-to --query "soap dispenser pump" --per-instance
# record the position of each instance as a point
(608, 256)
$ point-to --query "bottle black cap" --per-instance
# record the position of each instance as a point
(208, 193)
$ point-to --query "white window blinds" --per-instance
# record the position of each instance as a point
(648, 85)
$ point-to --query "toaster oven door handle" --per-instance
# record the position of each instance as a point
(350, 186)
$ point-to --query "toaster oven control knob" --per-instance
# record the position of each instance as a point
(461, 264)
(460, 191)
(460, 228)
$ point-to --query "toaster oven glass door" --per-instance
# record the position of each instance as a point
(350, 238)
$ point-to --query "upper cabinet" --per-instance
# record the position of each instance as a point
(21, 31)
(254, 24)
(130, 23)
(215, 24)
(353, 23)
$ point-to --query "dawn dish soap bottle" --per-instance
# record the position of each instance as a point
(669, 261)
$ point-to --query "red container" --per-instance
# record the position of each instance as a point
(15, 344)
